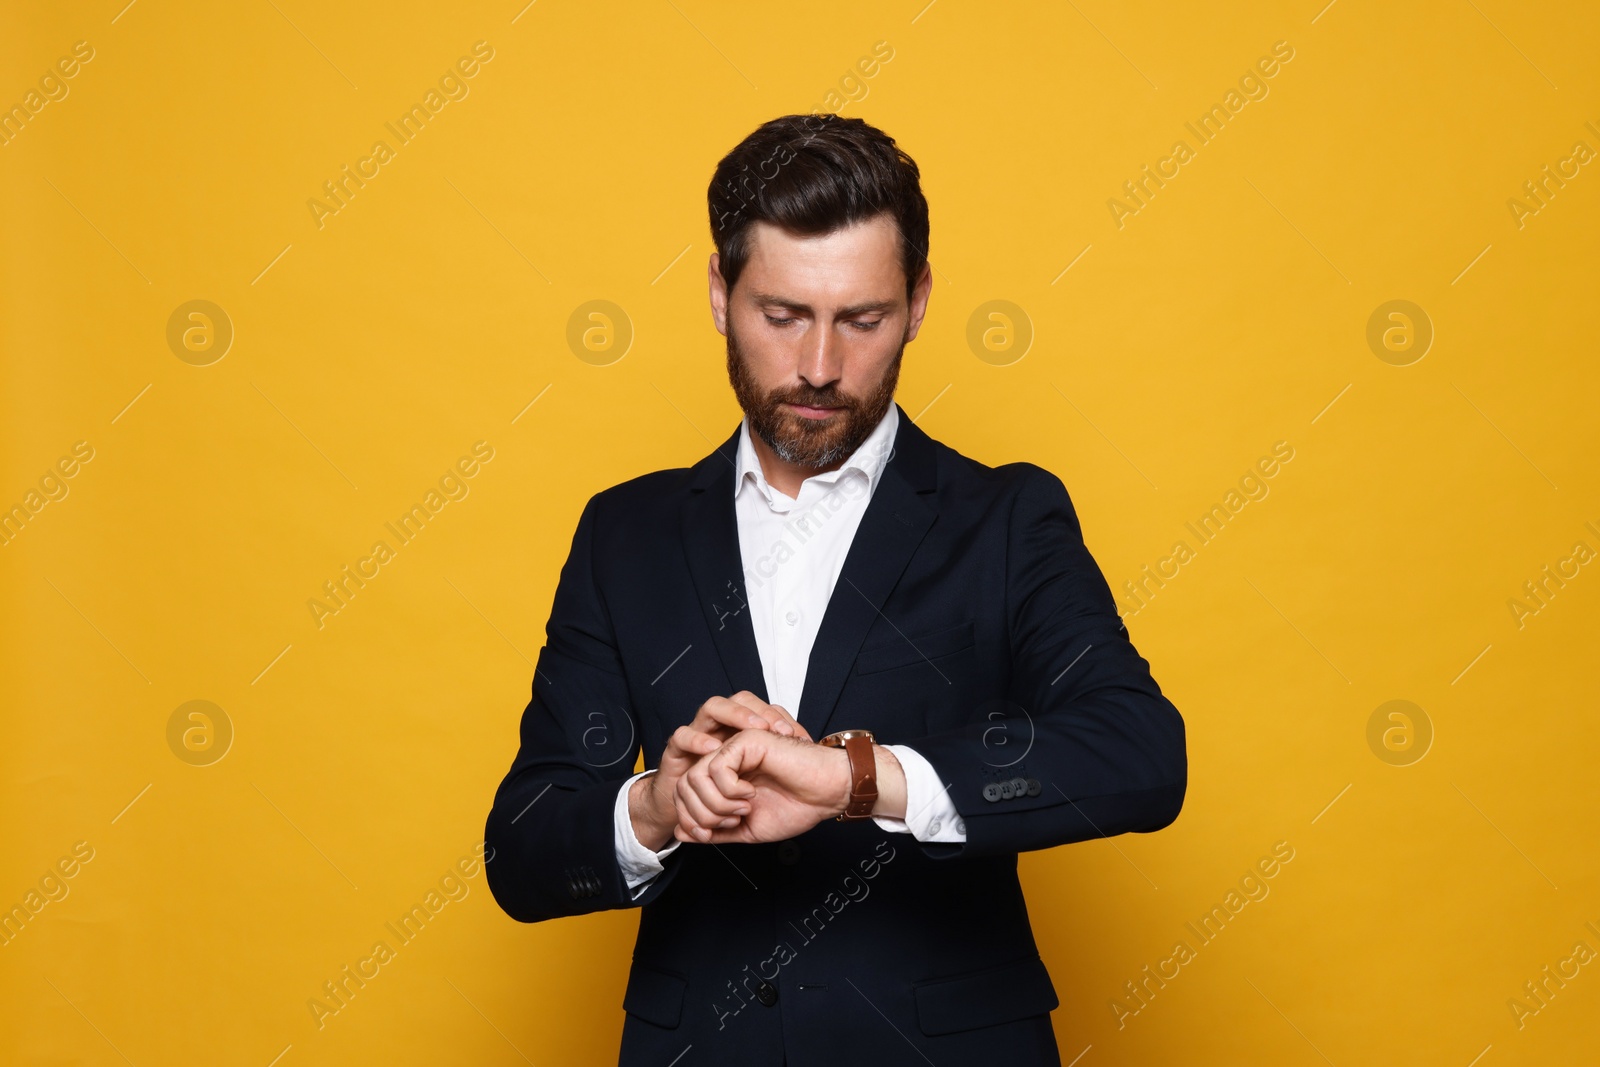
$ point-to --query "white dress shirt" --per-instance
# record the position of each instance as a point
(793, 550)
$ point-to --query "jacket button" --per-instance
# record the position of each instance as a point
(1034, 788)
(767, 993)
(991, 792)
(1019, 787)
(572, 887)
(789, 853)
(1008, 789)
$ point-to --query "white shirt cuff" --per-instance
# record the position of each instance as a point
(639, 865)
(930, 813)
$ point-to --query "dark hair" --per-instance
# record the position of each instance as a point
(813, 174)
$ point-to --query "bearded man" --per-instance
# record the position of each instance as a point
(864, 672)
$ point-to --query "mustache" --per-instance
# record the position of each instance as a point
(824, 399)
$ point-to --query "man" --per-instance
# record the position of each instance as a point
(829, 572)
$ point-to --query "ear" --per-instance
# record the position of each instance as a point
(719, 293)
(919, 301)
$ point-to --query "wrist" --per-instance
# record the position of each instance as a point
(891, 785)
(840, 791)
(651, 825)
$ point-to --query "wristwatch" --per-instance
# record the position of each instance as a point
(857, 745)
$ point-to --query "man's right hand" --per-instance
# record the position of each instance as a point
(651, 799)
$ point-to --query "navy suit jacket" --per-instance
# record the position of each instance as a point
(969, 622)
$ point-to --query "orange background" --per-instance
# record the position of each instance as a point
(1150, 357)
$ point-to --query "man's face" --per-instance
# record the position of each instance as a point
(816, 328)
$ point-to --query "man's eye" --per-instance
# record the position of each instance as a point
(864, 327)
(779, 322)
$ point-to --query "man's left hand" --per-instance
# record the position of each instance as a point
(790, 784)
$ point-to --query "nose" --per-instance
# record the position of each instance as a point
(821, 359)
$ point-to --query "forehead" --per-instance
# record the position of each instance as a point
(860, 259)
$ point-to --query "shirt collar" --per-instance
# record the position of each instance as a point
(870, 457)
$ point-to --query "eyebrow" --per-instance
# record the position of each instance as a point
(774, 300)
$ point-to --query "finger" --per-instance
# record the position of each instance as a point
(737, 835)
(773, 717)
(728, 783)
(723, 713)
(718, 803)
(795, 729)
(693, 815)
(777, 714)
(799, 731)
(697, 780)
(692, 742)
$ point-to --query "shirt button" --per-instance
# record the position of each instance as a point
(792, 617)
(933, 827)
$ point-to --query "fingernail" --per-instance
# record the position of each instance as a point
(784, 728)
(725, 823)
(701, 832)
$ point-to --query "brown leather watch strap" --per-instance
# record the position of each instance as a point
(863, 776)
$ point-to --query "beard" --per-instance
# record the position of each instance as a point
(812, 443)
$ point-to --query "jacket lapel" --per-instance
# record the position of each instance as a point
(896, 520)
(710, 537)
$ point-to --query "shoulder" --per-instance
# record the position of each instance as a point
(643, 490)
(1006, 483)
(1031, 501)
(641, 507)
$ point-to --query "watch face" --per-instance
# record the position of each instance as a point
(838, 738)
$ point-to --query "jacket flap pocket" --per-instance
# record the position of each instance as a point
(914, 648)
(988, 997)
(655, 996)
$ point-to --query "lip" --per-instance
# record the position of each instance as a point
(814, 413)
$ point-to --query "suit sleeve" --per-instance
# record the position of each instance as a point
(552, 826)
(1087, 721)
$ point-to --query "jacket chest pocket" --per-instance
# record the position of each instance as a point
(925, 648)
